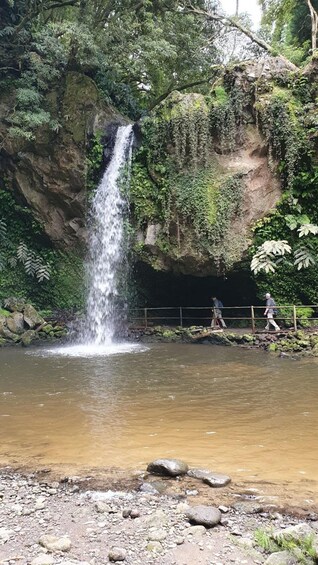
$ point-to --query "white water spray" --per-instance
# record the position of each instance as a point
(106, 245)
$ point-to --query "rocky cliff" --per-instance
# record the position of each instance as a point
(48, 174)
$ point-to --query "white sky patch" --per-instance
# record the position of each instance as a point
(249, 6)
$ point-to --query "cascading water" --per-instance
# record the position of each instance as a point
(106, 244)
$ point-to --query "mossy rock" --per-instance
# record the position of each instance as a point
(28, 337)
(272, 347)
(4, 313)
(2, 341)
(47, 328)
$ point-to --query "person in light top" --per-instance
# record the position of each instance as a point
(270, 311)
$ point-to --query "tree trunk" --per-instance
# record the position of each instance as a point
(314, 25)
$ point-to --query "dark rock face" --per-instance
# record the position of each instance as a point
(168, 467)
(49, 174)
(208, 516)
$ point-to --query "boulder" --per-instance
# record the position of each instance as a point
(14, 304)
(28, 337)
(296, 534)
(31, 317)
(168, 467)
(9, 335)
(15, 323)
(207, 516)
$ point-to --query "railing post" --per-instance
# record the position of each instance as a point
(295, 317)
(181, 316)
(253, 319)
(145, 315)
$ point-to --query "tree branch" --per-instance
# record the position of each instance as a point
(236, 24)
(178, 88)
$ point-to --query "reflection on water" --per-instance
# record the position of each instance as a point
(241, 412)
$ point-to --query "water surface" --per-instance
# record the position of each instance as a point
(242, 412)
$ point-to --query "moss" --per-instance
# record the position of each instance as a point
(4, 313)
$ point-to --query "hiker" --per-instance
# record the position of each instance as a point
(217, 319)
(270, 312)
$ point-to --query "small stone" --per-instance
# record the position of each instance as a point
(53, 543)
(155, 547)
(117, 554)
(5, 535)
(281, 558)
(134, 514)
(196, 531)
(102, 507)
(157, 535)
(216, 480)
(168, 467)
(43, 559)
(179, 541)
(208, 516)
(126, 513)
(224, 509)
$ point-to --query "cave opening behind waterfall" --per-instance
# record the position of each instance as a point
(169, 291)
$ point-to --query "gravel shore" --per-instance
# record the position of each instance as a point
(71, 521)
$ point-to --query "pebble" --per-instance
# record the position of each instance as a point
(54, 543)
(117, 554)
(43, 559)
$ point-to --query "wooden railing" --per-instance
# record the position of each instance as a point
(290, 316)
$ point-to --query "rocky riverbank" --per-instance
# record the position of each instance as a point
(22, 324)
(284, 343)
(45, 520)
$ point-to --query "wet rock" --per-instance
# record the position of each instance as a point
(27, 337)
(216, 480)
(15, 323)
(208, 516)
(168, 467)
(198, 473)
(148, 488)
(43, 559)
(8, 334)
(14, 304)
(31, 317)
(281, 558)
(54, 543)
(117, 554)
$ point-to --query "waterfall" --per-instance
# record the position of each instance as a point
(106, 245)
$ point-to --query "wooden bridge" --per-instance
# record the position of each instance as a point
(247, 318)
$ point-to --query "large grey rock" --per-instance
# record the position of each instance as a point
(31, 317)
(208, 516)
(54, 543)
(14, 304)
(216, 480)
(15, 323)
(281, 558)
(168, 467)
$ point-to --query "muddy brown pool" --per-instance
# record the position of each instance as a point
(237, 411)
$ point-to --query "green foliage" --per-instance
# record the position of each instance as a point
(226, 114)
(94, 161)
(29, 257)
(301, 549)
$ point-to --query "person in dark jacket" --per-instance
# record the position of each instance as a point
(217, 319)
(270, 311)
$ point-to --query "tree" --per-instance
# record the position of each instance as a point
(291, 23)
